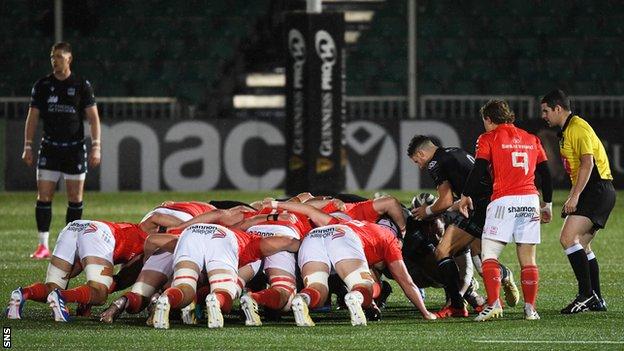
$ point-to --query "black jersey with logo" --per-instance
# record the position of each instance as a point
(453, 164)
(61, 105)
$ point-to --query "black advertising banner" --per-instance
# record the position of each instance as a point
(315, 106)
(297, 103)
(193, 155)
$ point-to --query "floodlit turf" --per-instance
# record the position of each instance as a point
(401, 327)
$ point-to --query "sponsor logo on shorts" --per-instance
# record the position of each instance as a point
(91, 228)
(524, 212)
(493, 231)
(261, 233)
(206, 229)
(338, 233)
(77, 226)
(322, 232)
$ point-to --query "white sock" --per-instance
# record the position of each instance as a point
(43, 238)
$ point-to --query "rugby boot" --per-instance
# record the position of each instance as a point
(450, 311)
(510, 290)
(161, 312)
(301, 311)
(373, 312)
(41, 253)
(599, 306)
(250, 308)
(16, 304)
(579, 304)
(530, 313)
(213, 310)
(188, 314)
(490, 312)
(57, 303)
(354, 300)
(151, 308)
(114, 310)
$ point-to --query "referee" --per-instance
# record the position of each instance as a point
(590, 201)
(62, 100)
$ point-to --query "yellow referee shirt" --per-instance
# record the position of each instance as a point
(577, 138)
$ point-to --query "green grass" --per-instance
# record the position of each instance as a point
(401, 327)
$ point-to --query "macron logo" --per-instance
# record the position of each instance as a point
(53, 99)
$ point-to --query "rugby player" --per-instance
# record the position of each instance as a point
(210, 242)
(348, 247)
(449, 168)
(62, 100)
(158, 266)
(591, 198)
(513, 156)
(92, 246)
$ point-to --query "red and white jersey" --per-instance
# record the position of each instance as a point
(248, 247)
(378, 242)
(194, 208)
(129, 240)
(302, 225)
(513, 154)
(363, 210)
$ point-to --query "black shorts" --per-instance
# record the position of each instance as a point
(66, 159)
(596, 202)
(472, 225)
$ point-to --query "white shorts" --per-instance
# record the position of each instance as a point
(513, 218)
(183, 216)
(283, 260)
(85, 238)
(330, 245)
(54, 176)
(210, 246)
(161, 262)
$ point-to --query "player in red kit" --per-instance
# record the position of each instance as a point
(279, 268)
(513, 156)
(92, 246)
(349, 248)
(158, 267)
(211, 242)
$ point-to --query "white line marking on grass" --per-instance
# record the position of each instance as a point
(549, 341)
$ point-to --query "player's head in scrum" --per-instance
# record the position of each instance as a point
(421, 149)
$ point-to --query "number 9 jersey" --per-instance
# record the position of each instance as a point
(513, 154)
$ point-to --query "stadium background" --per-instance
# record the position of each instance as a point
(200, 85)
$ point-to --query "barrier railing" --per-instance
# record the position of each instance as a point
(467, 106)
(602, 106)
(376, 107)
(108, 107)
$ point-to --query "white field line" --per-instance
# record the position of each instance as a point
(549, 341)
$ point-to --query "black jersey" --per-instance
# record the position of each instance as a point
(453, 164)
(61, 105)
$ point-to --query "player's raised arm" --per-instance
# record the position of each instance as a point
(208, 217)
(317, 216)
(402, 277)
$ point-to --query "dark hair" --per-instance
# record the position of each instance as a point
(62, 46)
(416, 143)
(498, 112)
(557, 97)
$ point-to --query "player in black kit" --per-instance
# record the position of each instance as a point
(449, 167)
(62, 100)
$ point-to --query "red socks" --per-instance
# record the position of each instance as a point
(367, 293)
(201, 294)
(175, 296)
(225, 300)
(36, 292)
(81, 294)
(529, 278)
(270, 298)
(314, 295)
(492, 280)
(135, 302)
